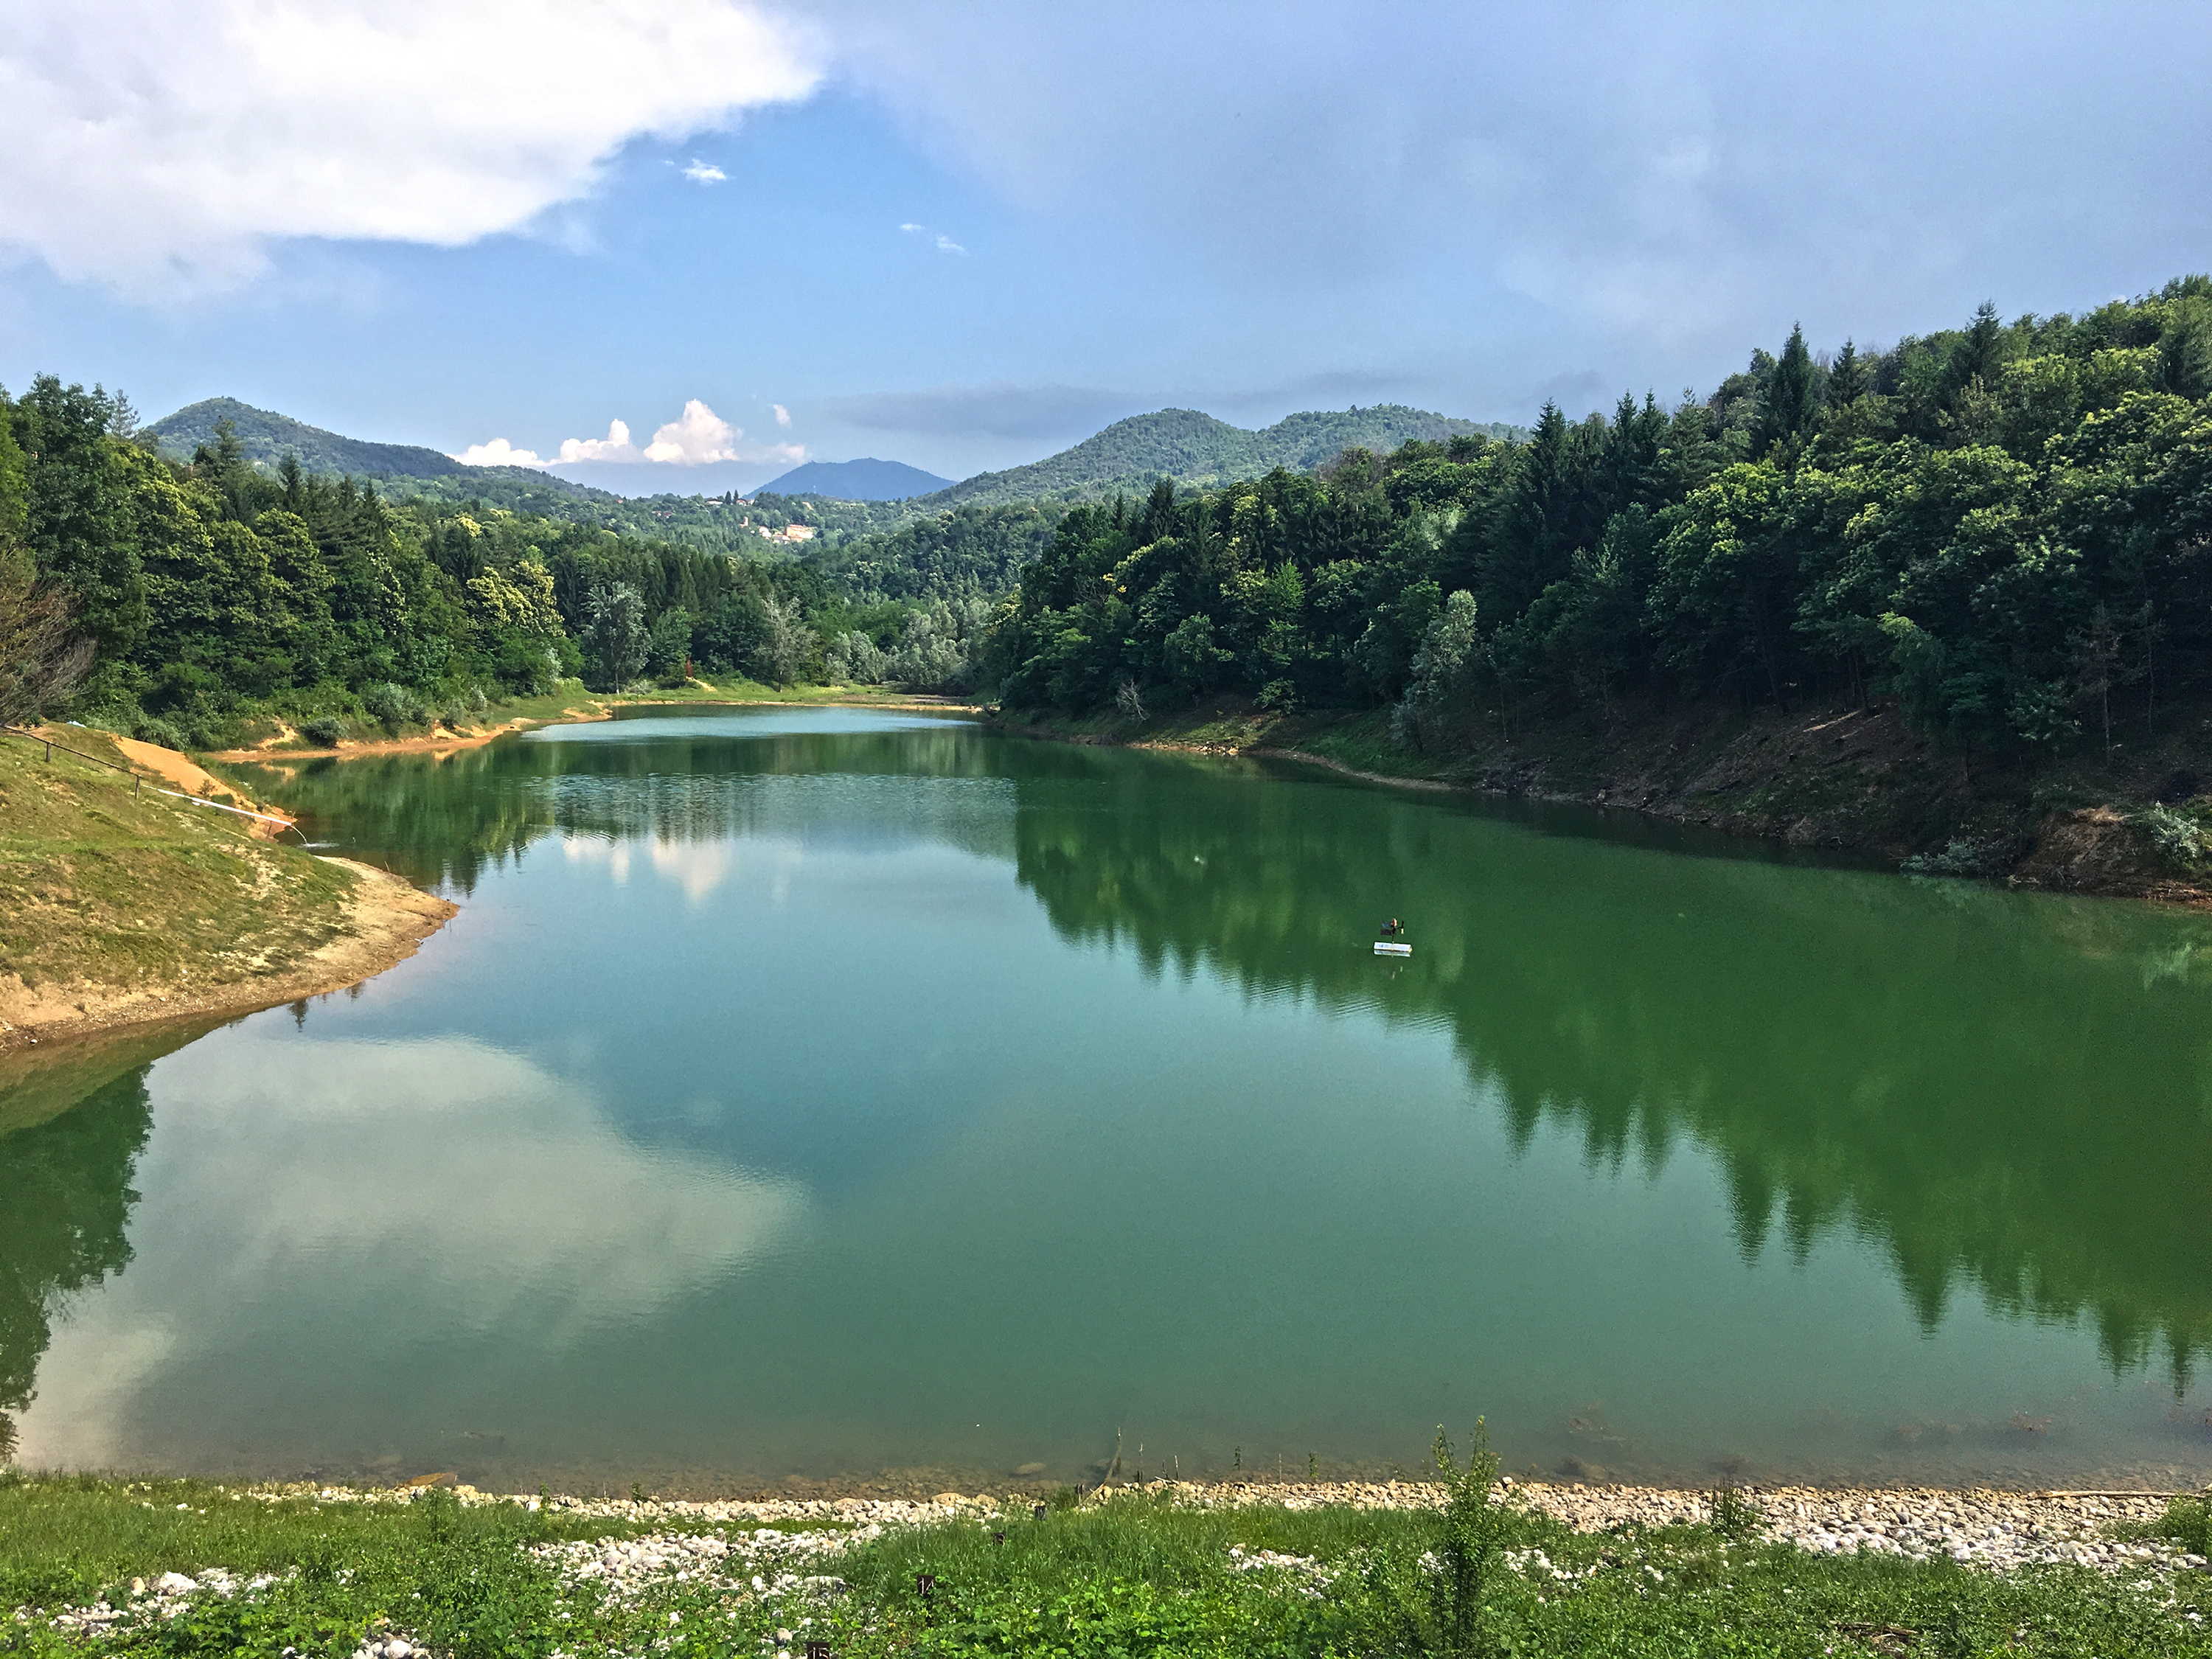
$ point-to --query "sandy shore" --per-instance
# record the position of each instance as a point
(386, 919)
(285, 746)
(443, 741)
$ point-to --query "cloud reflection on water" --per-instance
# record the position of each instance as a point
(372, 1199)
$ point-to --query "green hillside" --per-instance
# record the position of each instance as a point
(268, 436)
(405, 471)
(1192, 448)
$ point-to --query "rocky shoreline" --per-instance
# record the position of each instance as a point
(1992, 1530)
(791, 1574)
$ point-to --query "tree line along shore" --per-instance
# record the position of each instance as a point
(1947, 600)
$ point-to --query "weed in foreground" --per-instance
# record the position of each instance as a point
(1127, 1574)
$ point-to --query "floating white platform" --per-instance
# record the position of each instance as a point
(1394, 950)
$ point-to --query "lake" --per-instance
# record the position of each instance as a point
(819, 1098)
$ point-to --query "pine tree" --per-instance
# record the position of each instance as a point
(1792, 397)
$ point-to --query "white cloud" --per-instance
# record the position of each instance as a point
(498, 453)
(615, 447)
(159, 146)
(944, 244)
(695, 438)
(704, 172)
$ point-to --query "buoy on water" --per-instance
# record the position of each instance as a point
(1382, 950)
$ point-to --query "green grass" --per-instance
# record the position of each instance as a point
(1132, 1576)
(2187, 1522)
(104, 885)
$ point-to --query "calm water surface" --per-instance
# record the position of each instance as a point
(823, 1093)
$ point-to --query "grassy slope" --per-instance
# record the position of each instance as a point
(102, 886)
(1831, 777)
(1130, 1576)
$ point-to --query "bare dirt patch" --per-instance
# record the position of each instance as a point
(444, 740)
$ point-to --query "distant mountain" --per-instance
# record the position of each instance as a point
(869, 480)
(1194, 448)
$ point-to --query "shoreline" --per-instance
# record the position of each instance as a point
(1992, 1528)
(386, 919)
(436, 1568)
(2090, 852)
(449, 742)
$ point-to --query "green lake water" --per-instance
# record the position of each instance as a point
(843, 1096)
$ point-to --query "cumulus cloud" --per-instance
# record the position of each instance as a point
(159, 147)
(695, 438)
(615, 447)
(498, 453)
(782, 415)
(704, 172)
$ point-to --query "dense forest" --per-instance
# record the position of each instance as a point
(2003, 529)
(2006, 527)
(210, 590)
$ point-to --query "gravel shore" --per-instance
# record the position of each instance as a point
(778, 1557)
(1997, 1531)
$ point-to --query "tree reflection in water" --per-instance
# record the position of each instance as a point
(1999, 1088)
(1995, 1089)
(66, 1201)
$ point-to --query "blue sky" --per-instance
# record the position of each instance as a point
(964, 235)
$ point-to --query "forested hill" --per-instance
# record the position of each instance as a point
(1194, 449)
(2001, 534)
(266, 437)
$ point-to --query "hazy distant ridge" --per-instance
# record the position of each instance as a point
(864, 480)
